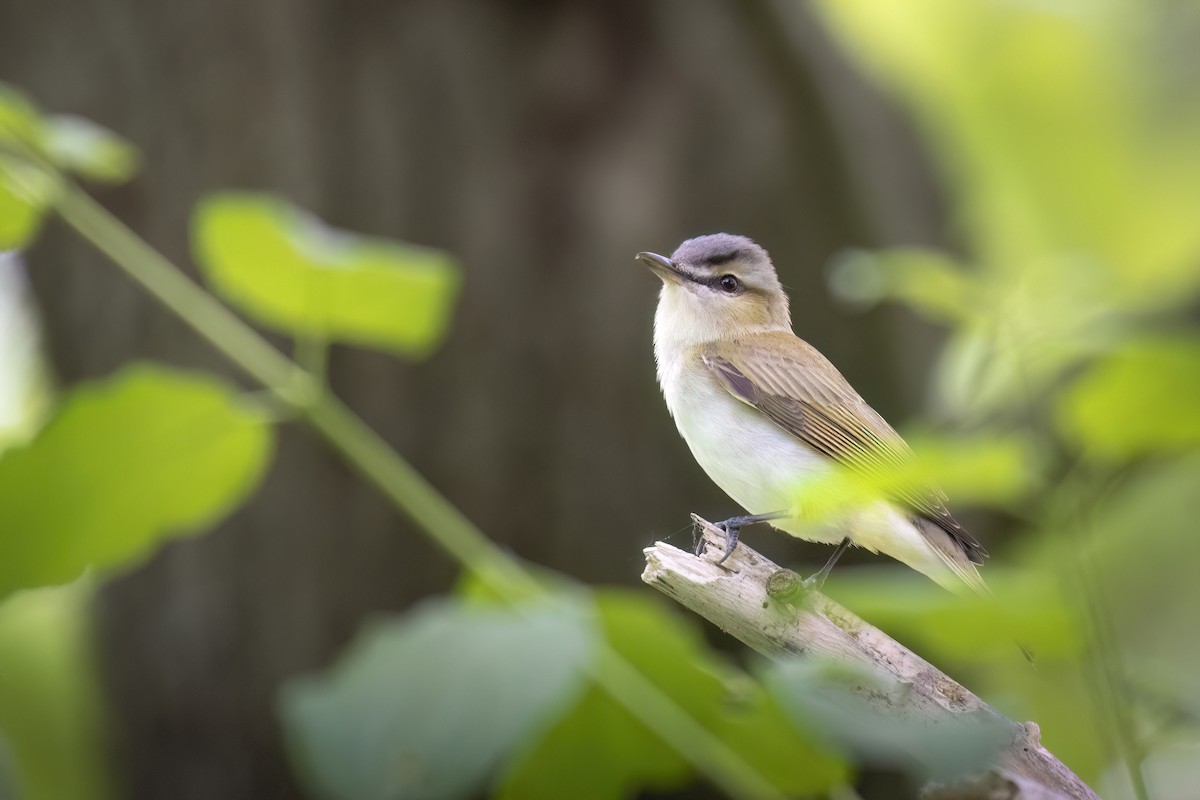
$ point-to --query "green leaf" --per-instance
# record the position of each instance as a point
(20, 130)
(291, 272)
(20, 122)
(1141, 399)
(92, 151)
(51, 700)
(1052, 130)
(124, 463)
(20, 219)
(30, 143)
(1027, 609)
(929, 281)
(843, 705)
(599, 751)
(427, 706)
(980, 468)
(1142, 543)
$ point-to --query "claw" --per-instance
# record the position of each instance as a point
(731, 539)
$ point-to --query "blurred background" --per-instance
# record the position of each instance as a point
(1048, 146)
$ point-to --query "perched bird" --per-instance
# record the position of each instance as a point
(762, 410)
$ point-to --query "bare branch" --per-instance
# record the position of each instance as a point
(754, 600)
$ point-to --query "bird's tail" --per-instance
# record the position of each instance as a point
(963, 573)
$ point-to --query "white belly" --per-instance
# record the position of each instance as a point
(752, 459)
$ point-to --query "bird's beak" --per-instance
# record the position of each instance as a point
(661, 266)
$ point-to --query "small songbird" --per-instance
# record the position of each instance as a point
(762, 410)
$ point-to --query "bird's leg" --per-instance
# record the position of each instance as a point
(818, 580)
(733, 527)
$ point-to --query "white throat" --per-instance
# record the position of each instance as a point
(681, 323)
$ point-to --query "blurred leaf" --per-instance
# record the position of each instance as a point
(1046, 133)
(1142, 543)
(1027, 610)
(148, 454)
(1171, 769)
(599, 751)
(980, 468)
(81, 146)
(429, 705)
(19, 218)
(69, 142)
(832, 700)
(51, 702)
(977, 376)
(753, 723)
(1058, 694)
(991, 468)
(30, 143)
(931, 282)
(19, 119)
(1145, 397)
(1023, 332)
(20, 129)
(288, 270)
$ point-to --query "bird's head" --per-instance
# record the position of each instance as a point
(719, 286)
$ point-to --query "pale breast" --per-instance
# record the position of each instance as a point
(753, 460)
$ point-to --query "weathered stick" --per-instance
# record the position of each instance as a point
(747, 597)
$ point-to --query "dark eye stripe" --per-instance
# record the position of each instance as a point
(721, 258)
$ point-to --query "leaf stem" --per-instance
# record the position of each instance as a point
(402, 484)
(195, 306)
(312, 354)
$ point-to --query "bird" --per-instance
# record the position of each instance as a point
(762, 410)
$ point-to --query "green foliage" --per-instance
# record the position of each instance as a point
(1070, 149)
(50, 702)
(945, 627)
(1142, 398)
(830, 700)
(1071, 160)
(1076, 194)
(930, 281)
(121, 465)
(291, 272)
(1145, 551)
(20, 123)
(20, 214)
(428, 706)
(32, 147)
(984, 469)
(83, 148)
(600, 751)
(435, 703)
(24, 189)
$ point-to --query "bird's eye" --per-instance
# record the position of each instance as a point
(729, 284)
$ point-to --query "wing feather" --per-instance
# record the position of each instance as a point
(797, 388)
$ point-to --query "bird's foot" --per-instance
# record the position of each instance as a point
(732, 530)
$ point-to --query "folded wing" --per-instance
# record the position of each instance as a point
(798, 389)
